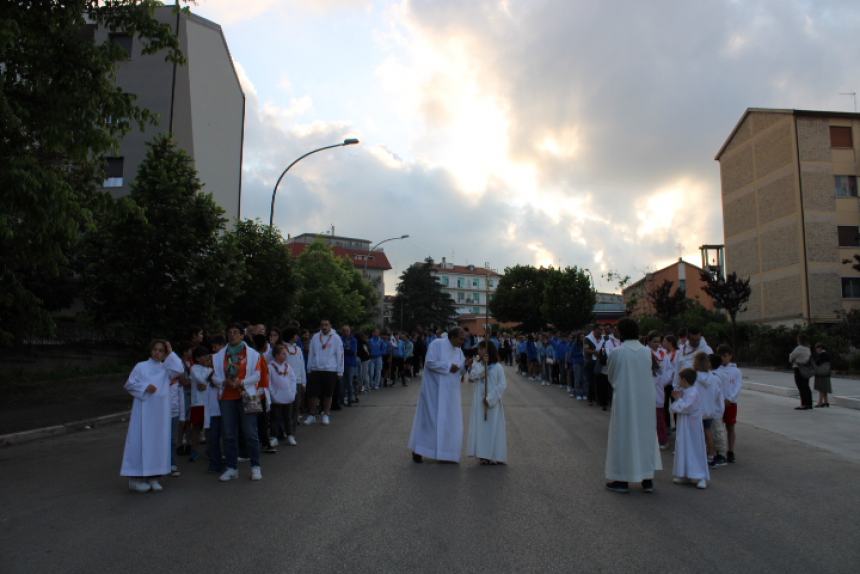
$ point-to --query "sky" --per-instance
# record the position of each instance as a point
(505, 132)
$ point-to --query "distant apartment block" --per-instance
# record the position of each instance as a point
(791, 213)
(201, 103)
(469, 286)
(682, 274)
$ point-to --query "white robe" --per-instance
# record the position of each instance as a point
(632, 453)
(691, 457)
(437, 431)
(487, 438)
(147, 443)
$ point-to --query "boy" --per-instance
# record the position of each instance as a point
(731, 382)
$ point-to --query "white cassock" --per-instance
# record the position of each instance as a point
(691, 457)
(488, 438)
(437, 431)
(147, 444)
(632, 453)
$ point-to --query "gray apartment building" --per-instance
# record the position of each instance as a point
(791, 213)
(200, 102)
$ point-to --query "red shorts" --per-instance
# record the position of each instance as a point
(196, 416)
(730, 416)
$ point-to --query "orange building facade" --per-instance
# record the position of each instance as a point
(681, 274)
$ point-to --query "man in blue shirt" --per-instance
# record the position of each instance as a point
(347, 394)
(378, 349)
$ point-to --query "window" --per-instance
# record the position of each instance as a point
(459, 282)
(840, 136)
(476, 297)
(113, 172)
(476, 310)
(849, 236)
(476, 282)
(124, 42)
(851, 287)
(846, 185)
(444, 280)
(460, 296)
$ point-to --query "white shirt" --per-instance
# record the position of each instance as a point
(296, 360)
(732, 381)
(326, 353)
(282, 382)
(199, 376)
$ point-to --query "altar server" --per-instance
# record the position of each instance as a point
(691, 462)
(487, 434)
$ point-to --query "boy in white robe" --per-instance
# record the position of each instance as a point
(487, 434)
(691, 459)
(437, 430)
(147, 444)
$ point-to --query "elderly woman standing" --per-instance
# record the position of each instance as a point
(821, 358)
(147, 444)
(800, 362)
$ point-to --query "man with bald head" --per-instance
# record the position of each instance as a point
(437, 431)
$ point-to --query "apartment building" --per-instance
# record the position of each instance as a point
(469, 286)
(791, 213)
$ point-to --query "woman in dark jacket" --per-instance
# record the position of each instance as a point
(822, 375)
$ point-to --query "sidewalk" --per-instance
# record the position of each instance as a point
(846, 392)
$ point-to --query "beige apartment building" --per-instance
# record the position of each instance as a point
(791, 213)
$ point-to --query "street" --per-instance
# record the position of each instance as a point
(349, 499)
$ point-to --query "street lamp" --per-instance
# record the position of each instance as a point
(369, 251)
(346, 142)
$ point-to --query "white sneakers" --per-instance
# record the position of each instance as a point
(174, 471)
(702, 484)
(291, 440)
(678, 480)
(155, 485)
(136, 485)
(256, 473)
(273, 442)
(325, 420)
(229, 474)
(309, 420)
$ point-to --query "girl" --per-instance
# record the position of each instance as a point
(147, 444)
(487, 436)
(282, 386)
(691, 462)
(296, 360)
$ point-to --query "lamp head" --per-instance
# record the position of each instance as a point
(350, 141)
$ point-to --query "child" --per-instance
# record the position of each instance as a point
(282, 386)
(202, 372)
(712, 401)
(147, 454)
(296, 360)
(732, 382)
(267, 443)
(487, 435)
(200, 375)
(177, 418)
(691, 462)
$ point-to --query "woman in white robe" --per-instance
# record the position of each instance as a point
(487, 438)
(147, 444)
(691, 458)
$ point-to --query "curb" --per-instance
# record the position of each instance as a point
(844, 402)
(75, 426)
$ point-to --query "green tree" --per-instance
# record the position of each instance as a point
(568, 299)
(519, 296)
(270, 285)
(420, 300)
(667, 304)
(328, 288)
(729, 294)
(56, 89)
(159, 261)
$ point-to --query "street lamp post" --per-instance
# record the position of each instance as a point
(346, 142)
(367, 258)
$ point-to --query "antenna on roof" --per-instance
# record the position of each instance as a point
(853, 97)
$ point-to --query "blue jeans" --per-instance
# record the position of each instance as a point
(349, 390)
(375, 372)
(364, 376)
(580, 386)
(232, 416)
(213, 445)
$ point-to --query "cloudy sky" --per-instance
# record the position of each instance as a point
(567, 132)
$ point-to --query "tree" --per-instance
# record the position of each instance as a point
(568, 298)
(329, 288)
(56, 89)
(519, 296)
(666, 303)
(420, 300)
(730, 294)
(270, 284)
(159, 260)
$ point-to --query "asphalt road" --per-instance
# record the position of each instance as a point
(349, 499)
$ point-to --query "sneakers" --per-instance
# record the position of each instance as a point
(174, 471)
(325, 420)
(702, 485)
(679, 480)
(730, 457)
(720, 460)
(229, 474)
(273, 442)
(256, 473)
(155, 485)
(242, 459)
(136, 485)
(291, 440)
(618, 486)
(270, 450)
(202, 437)
(309, 420)
(648, 485)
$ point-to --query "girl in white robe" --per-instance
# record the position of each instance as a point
(147, 444)
(488, 438)
(691, 458)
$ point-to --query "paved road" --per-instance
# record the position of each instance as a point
(349, 499)
(842, 386)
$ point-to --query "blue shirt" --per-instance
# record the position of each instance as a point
(532, 351)
(378, 347)
(350, 350)
(576, 356)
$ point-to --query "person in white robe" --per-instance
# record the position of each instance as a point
(632, 454)
(147, 444)
(691, 458)
(437, 430)
(487, 438)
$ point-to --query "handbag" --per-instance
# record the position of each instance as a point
(806, 370)
(822, 369)
(251, 404)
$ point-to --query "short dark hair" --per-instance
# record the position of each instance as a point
(694, 331)
(289, 333)
(628, 329)
(200, 352)
(237, 326)
(688, 375)
(492, 351)
(652, 334)
(217, 340)
(724, 350)
(455, 332)
(672, 339)
(260, 342)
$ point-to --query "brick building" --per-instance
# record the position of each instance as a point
(682, 274)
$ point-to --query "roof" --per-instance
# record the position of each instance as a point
(464, 270)
(327, 237)
(796, 113)
(650, 273)
(377, 260)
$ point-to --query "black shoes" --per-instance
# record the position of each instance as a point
(730, 457)
(618, 486)
(648, 486)
(803, 408)
(417, 457)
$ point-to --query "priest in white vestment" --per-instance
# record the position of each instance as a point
(147, 444)
(632, 453)
(487, 439)
(437, 431)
